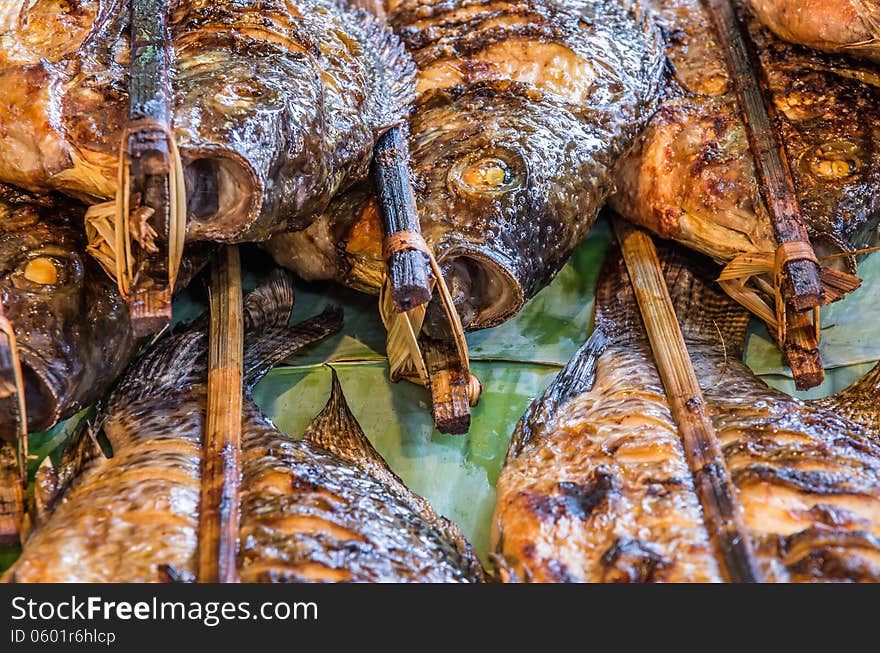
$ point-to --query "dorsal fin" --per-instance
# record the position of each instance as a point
(705, 313)
(577, 378)
(859, 403)
(337, 430)
(265, 348)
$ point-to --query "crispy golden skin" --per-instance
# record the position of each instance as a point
(324, 508)
(691, 175)
(596, 487)
(849, 26)
(277, 103)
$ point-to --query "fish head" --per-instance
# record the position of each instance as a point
(70, 323)
(508, 182)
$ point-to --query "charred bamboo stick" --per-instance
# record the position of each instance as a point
(11, 498)
(721, 511)
(802, 287)
(801, 349)
(149, 166)
(409, 269)
(449, 384)
(219, 512)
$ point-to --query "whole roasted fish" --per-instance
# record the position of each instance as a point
(596, 486)
(277, 103)
(848, 26)
(324, 508)
(691, 175)
(71, 325)
(523, 109)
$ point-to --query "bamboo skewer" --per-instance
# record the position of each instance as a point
(149, 181)
(800, 280)
(219, 513)
(802, 284)
(408, 268)
(711, 478)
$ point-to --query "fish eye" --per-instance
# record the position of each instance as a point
(836, 159)
(44, 271)
(486, 174)
(482, 175)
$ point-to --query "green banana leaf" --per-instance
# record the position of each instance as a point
(515, 362)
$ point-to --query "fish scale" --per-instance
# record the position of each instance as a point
(806, 474)
(523, 109)
(322, 508)
(277, 104)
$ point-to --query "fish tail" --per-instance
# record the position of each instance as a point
(705, 312)
(271, 304)
(859, 403)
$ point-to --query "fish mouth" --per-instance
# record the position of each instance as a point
(483, 288)
(223, 195)
(41, 391)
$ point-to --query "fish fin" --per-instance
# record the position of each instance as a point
(705, 312)
(270, 305)
(336, 429)
(266, 348)
(576, 378)
(394, 72)
(52, 482)
(860, 402)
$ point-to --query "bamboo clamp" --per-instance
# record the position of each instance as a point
(150, 210)
(798, 278)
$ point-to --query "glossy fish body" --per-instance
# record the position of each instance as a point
(323, 508)
(71, 325)
(596, 486)
(846, 26)
(522, 110)
(691, 175)
(277, 104)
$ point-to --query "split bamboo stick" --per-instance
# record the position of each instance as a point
(219, 513)
(721, 510)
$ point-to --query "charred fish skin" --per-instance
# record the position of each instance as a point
(596, 487)
(691, 175)
(324, 508)
(841, 26)
(71, 324)
(523, 109)
(277, 104)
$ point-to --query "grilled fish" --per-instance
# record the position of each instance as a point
(691, 175)
(596, 486)
(523, 109)
(324, 508)
(848, 26)
(277, 103)
(71, 324)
